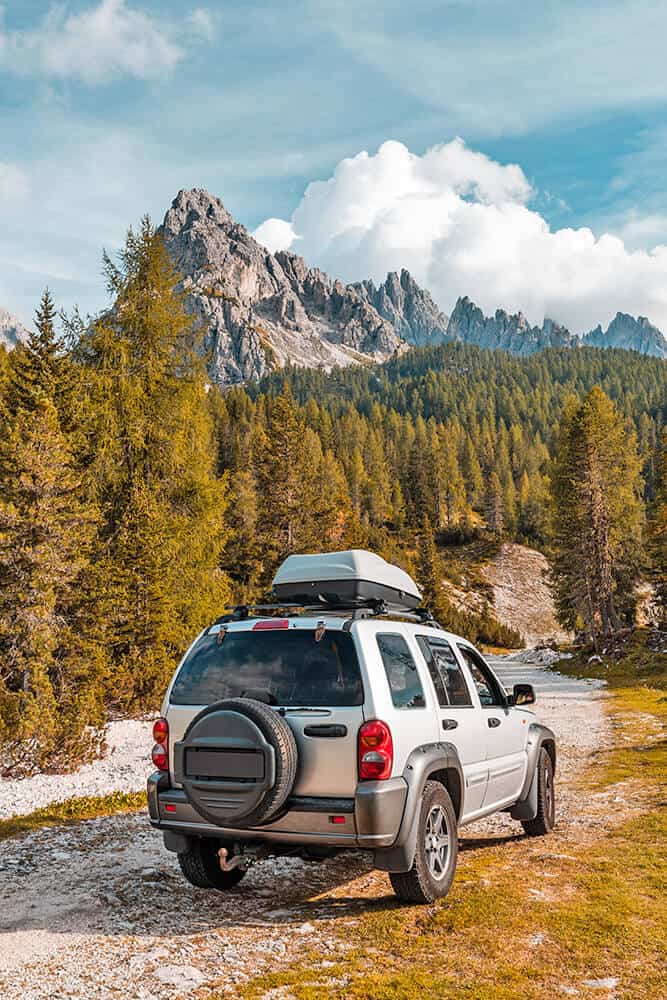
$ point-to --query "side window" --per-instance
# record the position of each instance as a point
(448, 680)
(401, 671)
(487, 689)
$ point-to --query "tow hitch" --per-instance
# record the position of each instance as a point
(241, 860)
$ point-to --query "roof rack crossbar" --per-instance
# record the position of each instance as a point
(358, 609)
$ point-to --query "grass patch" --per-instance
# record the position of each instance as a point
(627, 662)
(72, 810)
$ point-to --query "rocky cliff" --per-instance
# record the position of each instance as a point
(631, 334)
(11, 330)
(513, 332)
(505, 332)
(261, 310)
(410, 309)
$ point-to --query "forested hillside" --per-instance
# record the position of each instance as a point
(137, 501)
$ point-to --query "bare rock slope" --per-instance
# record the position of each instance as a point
(261, 310)
(522, 598)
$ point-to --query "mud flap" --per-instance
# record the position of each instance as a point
(527, 808)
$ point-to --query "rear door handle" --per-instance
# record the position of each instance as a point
(449, 724)
(326, 731)
(493, 722)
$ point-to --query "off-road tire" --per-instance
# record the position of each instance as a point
(201, 867)
(546, 803)
(419, 884)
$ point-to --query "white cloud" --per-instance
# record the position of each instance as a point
(96, 45)
(202, 23)
(462, 224)
(13, 182)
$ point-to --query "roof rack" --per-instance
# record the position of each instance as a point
(369, 608)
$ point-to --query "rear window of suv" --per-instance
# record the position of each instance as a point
(287, 668)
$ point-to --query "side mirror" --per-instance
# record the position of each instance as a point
(523, 694)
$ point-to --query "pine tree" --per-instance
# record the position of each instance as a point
(494, 509)
(658, 531)
(153, 462)
(50, 691)
(596, 494)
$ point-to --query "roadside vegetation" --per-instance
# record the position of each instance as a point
(72, 811)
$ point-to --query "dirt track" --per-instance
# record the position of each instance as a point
(99, 909)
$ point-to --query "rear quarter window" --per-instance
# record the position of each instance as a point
(287, 668)
(401, 670)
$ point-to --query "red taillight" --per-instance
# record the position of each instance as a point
(161, 731)
(268, 623)
(160, 757)
(160, 752)
(376, 751)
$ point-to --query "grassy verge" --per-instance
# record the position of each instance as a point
(579, 913)
(87, 807)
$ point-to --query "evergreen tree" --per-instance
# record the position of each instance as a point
(494, 509)
(658, 531)
(153, 459)
(597, 520)
(50, 687)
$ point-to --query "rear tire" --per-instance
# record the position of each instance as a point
(545, 820)
(201, 867)
(434, 865)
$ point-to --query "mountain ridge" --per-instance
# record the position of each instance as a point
(261, 310)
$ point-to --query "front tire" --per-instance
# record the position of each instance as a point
(545, 819)
(201, 867)
(434, 865)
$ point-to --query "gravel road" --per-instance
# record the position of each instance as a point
(99, 909)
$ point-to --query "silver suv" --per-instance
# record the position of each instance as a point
(290, 730)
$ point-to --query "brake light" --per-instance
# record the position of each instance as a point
(161, 731)
(160, 752)
(269, 623)
(376, 751)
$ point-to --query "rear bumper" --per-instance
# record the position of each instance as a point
(370, 820)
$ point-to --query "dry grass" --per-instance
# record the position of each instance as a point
(72, 810)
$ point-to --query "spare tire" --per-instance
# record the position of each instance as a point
(237, 762)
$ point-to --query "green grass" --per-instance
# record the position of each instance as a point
(87, 807)
(630, 663)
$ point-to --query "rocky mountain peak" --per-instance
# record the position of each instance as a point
(409, 308)
(12, 331)
(630, 333)
(261, 310)
(505, 331)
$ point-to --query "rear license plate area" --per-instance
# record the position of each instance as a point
(237, 765)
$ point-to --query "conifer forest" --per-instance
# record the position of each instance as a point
(138, 501)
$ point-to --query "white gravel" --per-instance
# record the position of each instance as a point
(124, 768)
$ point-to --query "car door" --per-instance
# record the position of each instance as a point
(505, 733)
(461, 721)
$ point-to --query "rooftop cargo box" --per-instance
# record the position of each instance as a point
(345, 578)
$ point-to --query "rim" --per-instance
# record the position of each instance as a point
(436, 842)
(549, 792)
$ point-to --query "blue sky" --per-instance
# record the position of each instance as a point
(108, 107)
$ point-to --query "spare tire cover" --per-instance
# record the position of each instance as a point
(237, 762)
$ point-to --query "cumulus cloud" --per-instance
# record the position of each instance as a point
(97, 44)
(463, 225)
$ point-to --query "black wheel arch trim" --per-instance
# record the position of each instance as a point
(539, 736)
(434, 761)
